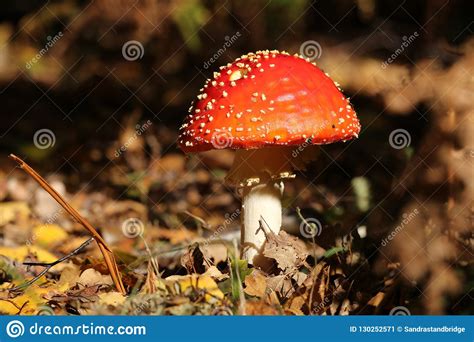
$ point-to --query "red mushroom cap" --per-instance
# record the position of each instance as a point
(268, 98)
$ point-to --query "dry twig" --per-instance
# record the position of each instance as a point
(106, 251)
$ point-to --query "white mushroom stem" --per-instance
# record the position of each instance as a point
(261, 205)
(260, 172)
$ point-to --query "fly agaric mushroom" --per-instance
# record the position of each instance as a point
(266, 105)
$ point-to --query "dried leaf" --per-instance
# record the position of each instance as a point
(193, 260)
(295, 304)
(214, 272)
(299, 278)
(281, 284)
(91, 277)
(72, 243)
(377, 299)
(152, 283)
(260, 308)
(26, 303)
(69, 277)
(176, 236)
(256, 284)
(111, 298)
(215, 252)
(272, 299)
(288, 251)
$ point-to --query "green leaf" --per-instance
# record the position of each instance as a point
(409, 152)
(362, 193)
(236, 279)
(334, 214)
(333, 251)
(190, 16)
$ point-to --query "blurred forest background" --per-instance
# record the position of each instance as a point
(100, 122)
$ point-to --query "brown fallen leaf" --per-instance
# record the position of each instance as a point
(153, 282)
(256, 284)
(194, 261)
(216, 252)
(377, 299)
(288, 251)
(214, 272)
(260, 308)
(295, 304)
(299, 278)
(176, 236)
(315, 286)
(272, 299)
(150, 281)
(282, 285)
(79, 294)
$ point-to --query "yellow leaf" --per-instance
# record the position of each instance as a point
(28, 301)
(91, 277)
(10, 210)
(20, 253)
(48, 234)
(69, 277)
(198, 282)
(111, 298)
